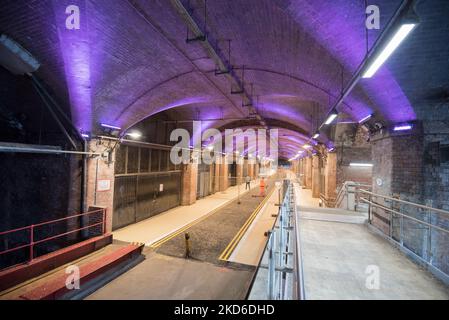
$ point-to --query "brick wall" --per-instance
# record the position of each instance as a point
(352, 146)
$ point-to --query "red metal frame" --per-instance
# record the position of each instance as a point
(32, 230)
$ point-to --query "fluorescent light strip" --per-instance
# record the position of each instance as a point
(355, 164)
(110, 127)
(403, 127)
(331, 118)
(366, 118)
(134, 135)
(397, 39)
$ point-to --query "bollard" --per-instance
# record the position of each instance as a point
(187, 238)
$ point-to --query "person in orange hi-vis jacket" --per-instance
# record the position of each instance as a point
(262, 187)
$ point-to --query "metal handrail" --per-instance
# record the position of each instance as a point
(344, 190)
(405, 202)
(32, 231)
(283, 254)
(425, 254)
(375, 204)
(299, 269)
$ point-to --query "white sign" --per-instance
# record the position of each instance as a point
(104, 185)
(161, 187)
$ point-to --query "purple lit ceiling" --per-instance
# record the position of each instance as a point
(130, 60)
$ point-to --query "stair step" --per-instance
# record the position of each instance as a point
(56, 288)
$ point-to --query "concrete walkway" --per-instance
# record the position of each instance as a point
(165, 278)
(341, 261)
(251, 246)
(152, 229)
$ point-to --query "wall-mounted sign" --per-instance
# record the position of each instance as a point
(161, 187)
(104, 185)
(379, 181)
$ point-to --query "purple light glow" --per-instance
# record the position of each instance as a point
(75, 48)
(383, 90)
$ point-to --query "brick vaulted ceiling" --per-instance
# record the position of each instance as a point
(130, 60)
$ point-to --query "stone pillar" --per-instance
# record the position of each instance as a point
(239, 172)
(216, 177)
(224, 179)
(330, 173)
(308, 173)
(100, 180)
(189, 183)
(315, 176)
(250, 169)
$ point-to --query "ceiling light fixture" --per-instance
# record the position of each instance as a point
(365, 118)
(331, 117)
(110, 126)
(402, 33)
(134, 134)
(355, 164)
(403, 127)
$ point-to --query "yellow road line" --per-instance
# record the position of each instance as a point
(234, 242)
(170, 236)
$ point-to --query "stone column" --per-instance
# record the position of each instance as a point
(224, 183)
(308, 173)
(315, 176)
(100, 180)
(239, 172)
(217, 177)
(189, 183)
(330, 173)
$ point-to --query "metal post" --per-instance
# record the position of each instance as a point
(271, 266)
(391, 220)
(370, 214)
(238, 193)
(103, 231)
(347, 196)
(31, 242)
(401, 229)
(429, 238)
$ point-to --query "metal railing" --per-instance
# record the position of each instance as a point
(282, 255)
(27, 238)
(346, 189)
(420, 231)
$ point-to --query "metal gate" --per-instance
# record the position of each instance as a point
(145, 185)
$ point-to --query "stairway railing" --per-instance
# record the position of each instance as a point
(420, 231)
(347, 188)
